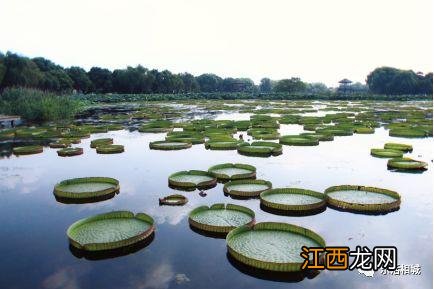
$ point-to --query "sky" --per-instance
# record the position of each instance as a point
(316, 40)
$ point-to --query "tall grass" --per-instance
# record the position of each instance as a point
(37, 105)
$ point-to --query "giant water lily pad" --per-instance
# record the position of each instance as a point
(191, 180)
(386, 153)
(363, 199)
(271, 246)
(230, 171)
(220, 218)
(110, 231)
(27, 150)
(86, 188)
(260, 149)
(406, 164)
(246, 188)
(293, 199)
(169, 145)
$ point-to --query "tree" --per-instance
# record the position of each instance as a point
(265, 85)
(290, 85)
(389, 80)
(189, 82)
(209, 82)
(101, 79)
(20, 71)
(80, 79)
(2, 68)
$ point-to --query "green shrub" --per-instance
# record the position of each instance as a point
(33, 104)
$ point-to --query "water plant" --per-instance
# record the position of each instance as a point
(220, 218)
(69, 152)
(250, 245)
(298, 140)
(169, 145)
(386, 153)
(191, 180)
(293, 199)
(110, 149)
(229, 171)
(28, 150)
(173, 200)
(260, 149)
(86, 188)
(362, 199)
(246, 188)
(100, 142)
(406, 164)
(110, 231)
(399, 146)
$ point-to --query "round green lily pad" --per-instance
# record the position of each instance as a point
(86, 188)
(190, 180)
(110, 149)
(386, 153)
(406, 164)
(110, 231)
(69, 152)
(362, 199)
(169, 145)
(271, 246)
(220, 218)
(246, 188)
(260, 149)
(173, 200)
(101, 142)
(399, 146)
(298, 140)
(293, 199)
(28, 150)
(221, 145)
(229, 171)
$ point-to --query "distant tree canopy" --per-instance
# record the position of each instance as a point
(43, 74)
(389, 80)
(290, 85)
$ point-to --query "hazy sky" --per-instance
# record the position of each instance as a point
(316, 40)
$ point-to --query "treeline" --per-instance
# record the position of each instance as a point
(43, 74)
(393, 81)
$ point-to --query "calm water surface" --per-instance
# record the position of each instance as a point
(35, 251)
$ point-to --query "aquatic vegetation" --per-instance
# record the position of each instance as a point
(364, 130)
(399, 146)
(169, 145)
(363, 199)
(28, 150)
(62, 143)
(69, 152)
(110, 149)
(173, 200)
(386, 153)
(263, 134)
(110, 231)
(298, 140)
(406, 164)
(220, 218)
(260, 149)
(293, 199)
(229, 171)
(271, 246)
(156, 126)
(100, 142)
(191, 180)
(246, 188)
(86, 188)
(222, 144)
(408, 132)
(319, 136)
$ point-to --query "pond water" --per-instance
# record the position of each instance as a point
(35, 251)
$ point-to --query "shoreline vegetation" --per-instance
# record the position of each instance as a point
(39, 90)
